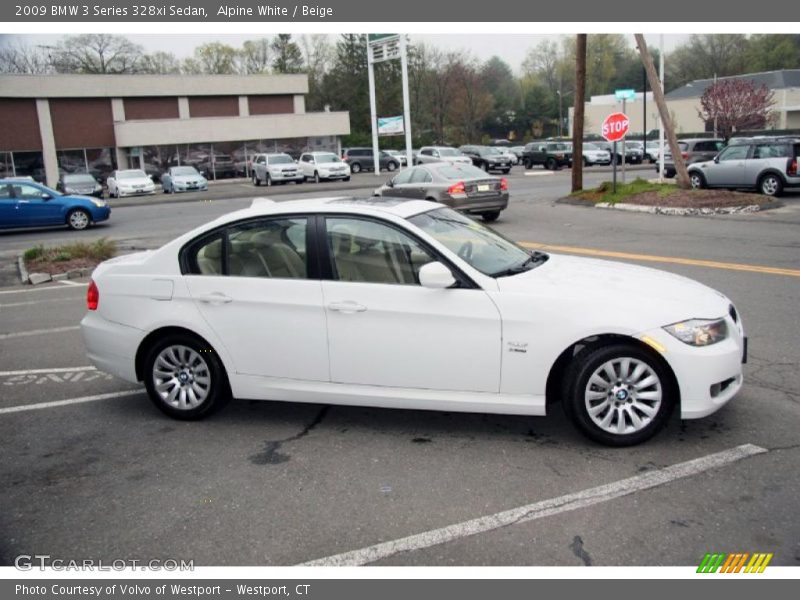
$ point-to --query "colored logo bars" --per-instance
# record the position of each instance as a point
(735, 562)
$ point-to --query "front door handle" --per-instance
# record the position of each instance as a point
(347, 307)
(214, 298)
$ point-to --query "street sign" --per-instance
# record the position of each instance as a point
(625, 94)
(615, 127)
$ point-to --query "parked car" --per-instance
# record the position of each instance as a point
(594, 154)
(652, 152)
(507, 152)
(463, 187)
(517, 151)
(129, 182)
(488, 158)
(362, 159)
(380, 302)
(431, 154)
(30, 204)
(767, 165)
(693, 150)
(551, 155)
(276, 168)
(214, 166)
(323, 165)
(183, 179)
(399, 155)
(82, 184)
(633, 154)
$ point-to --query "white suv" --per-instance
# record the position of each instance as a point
(275, 168)
(323, 165)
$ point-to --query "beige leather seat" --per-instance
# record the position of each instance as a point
(277, 258)
(209, 259)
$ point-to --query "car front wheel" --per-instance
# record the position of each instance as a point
(79, 219)
(256, 180)
(771, 185)
(185, 378)
(697, 180)
(618, 394)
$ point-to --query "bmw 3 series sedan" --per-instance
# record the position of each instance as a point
(408, 304)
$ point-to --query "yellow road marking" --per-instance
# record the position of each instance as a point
(713, 264)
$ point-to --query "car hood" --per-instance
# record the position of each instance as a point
(137, 181)
(641, 297)
(288, 166)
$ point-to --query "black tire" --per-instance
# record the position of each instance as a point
(316, 177)
(576, 386)
(256, 180)
(770, 185)
(299, 181)
(697, 180)
(490, 217)
(586, 162)
(527, 164)
(355, 167)
(218, 389)
(79, 219)
(551, 164)
(268, 181)
(346, 178)
(391, 165)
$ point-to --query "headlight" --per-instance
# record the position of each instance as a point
(699, 332)
(98, 203)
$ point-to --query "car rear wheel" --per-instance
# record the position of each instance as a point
(618, 394)
(391, 165)
(697, 180)
(78, 219)
(185, 378)
(551, 164)
(771, 185)
(355, 168)
(490, 217)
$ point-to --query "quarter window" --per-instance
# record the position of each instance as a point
(403, 177)
(370, 252)
(771, 151)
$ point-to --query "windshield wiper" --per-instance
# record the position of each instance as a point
(534, 260)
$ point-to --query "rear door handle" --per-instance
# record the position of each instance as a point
(214, 298)
(347, 307)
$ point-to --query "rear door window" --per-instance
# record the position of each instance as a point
(421, 176)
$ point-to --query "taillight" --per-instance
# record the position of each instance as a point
(92, 296)
(457, 188)
(792, 168)
(504, 184)
(684, 155)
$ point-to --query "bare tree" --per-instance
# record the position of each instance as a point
(666, 119)
(255, 57)
(577, 124)
(735, 105)
(160, 63)
(97, 53)
(212, 58)
(22, 59)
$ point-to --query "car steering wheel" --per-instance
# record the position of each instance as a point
(465, 252)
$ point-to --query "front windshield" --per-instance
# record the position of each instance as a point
(184, 171)
(479, 246)
(132, 174)
(281, 159)
(79, 178)
(327, 158)
(490, 151)
(449, 152)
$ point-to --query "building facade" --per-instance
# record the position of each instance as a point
(53, 124)
(684, 104)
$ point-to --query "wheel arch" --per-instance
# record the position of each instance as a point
(148, 341)
(555, 376)
(770, 171)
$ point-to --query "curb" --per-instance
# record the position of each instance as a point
(23, 272)
(676, 211)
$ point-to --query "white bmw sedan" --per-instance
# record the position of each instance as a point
(406, 304)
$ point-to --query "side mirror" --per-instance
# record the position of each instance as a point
(435, 275)
(46, 197)
(390, 183)
(716, 159)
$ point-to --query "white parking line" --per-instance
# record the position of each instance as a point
(538, 173)
(71, 283)
(5, 336)
(538, 510)
(43, 289)
(48, 301)
(41, 405)
(53, 370)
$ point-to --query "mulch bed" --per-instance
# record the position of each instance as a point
(699, 199)
(60, 266)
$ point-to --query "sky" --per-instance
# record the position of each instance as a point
(510, 47)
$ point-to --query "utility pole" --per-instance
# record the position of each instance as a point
(658, 94)
(577, 122)
(644, 113)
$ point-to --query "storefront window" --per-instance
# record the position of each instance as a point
(294, 147)
(199, 157)
(29, 164)
(100, 162)
(71, 161)
(6, 165)
(157, 159)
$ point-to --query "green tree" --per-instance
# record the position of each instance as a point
(213, 58)
(498, 79)
(346, 86)
(772, 52)
(287, 57)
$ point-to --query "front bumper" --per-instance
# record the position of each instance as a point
(708, 377)
(142, 192)
(281, 176)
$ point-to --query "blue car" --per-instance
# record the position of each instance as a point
(29, 204)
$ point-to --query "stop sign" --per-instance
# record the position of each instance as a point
(615, 126)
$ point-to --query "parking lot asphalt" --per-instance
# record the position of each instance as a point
(92, 469)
